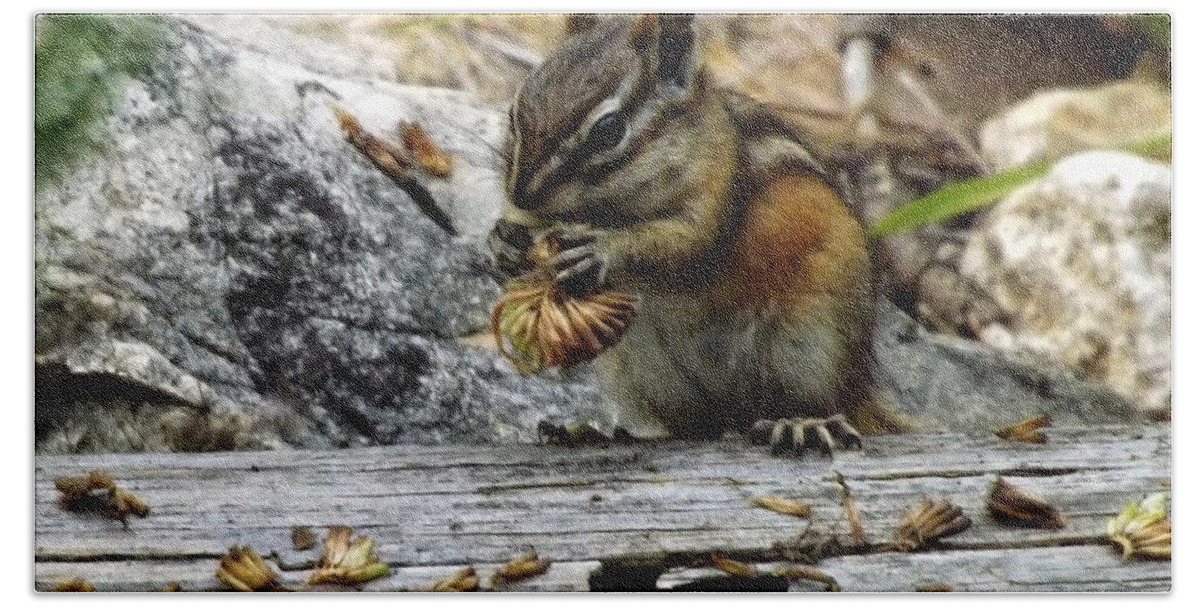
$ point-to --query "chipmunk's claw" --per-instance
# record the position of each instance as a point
(581, 266)
(795, 435)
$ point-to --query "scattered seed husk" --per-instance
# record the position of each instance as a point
(857, 532)
(303, 538)
(1012, 505)
(96, 492)
(173, 587)
(345, 562)
(389, 157)
(461, 580)
(732, 566)
(538, 325)
(1026, 431)
(432, 159)
(521, 567)
(935, 588)
(782, 505)
(795, 572)
(928, 521)
(73, 585)
(244, 569)
(1142, 529)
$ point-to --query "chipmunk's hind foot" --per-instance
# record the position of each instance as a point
(576, 435)
(796, 435)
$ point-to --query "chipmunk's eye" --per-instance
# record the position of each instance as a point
(606, 133)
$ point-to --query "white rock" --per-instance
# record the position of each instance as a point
(1065, 121)
(1081, 263)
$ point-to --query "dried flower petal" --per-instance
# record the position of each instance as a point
(732, 566)
(1142, 528)
(462, 580)
(1010, 504)
(347, 563)
(1027, 430)
(432, 159)
(73, 585)
(538, 325)
(783, 505)
(929, 521)
(519, 568)
(244, 569)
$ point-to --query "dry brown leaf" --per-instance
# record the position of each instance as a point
(1026, 430)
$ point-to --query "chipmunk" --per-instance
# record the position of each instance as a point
(754, 278)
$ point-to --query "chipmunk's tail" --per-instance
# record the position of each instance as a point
(875, 415)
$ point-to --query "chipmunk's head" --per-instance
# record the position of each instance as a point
(600, 119)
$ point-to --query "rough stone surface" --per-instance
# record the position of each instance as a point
(229, 273)
(1060, 122)
(229, 252)
(1080, 263)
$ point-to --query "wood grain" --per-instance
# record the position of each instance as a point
(642, 516)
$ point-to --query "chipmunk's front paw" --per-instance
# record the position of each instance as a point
(580, 265)
(509, 243)
(795, 435)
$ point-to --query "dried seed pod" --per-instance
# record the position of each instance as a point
(96, 492)
(432, 159)
(936, 588)
(732, 566)
(345, 562)
(783, 505)
(73, 585)
(929, 521)
(1142, 528)
(794, 572)
(1010, 504)
(244, 569)
(1026, 430)
(303, 538)
(461, 580)
(519, 568)
(538, 325)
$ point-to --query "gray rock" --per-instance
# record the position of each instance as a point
(949, 383)
(228, 252)
(1080, 265)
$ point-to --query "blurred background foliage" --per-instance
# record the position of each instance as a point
(79, 63)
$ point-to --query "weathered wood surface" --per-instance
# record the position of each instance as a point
(614, 517)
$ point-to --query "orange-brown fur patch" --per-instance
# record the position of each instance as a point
(797, 240)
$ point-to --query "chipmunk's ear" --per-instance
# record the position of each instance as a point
(670, 42)
(581, 23)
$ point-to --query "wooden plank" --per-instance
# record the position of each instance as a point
(434, 509)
